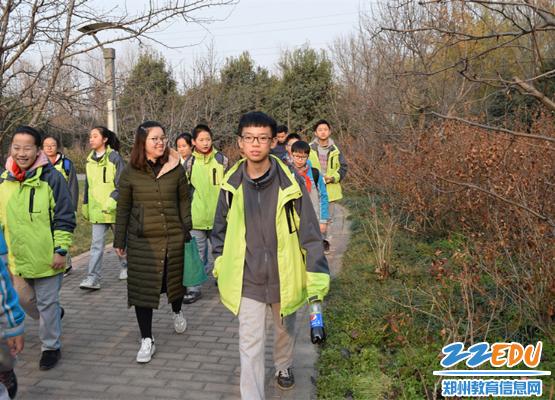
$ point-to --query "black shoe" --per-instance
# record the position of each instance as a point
(49, 359)
(68, 271)
(9, 380)
(326, 246)
(62, 312)
(191, 297)
(285, 379)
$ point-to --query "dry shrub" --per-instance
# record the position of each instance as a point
(496, 189)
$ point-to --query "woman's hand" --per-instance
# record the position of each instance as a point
(120, 252)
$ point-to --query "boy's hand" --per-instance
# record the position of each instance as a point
(59, 261)
(15, 344)
(120, 252)
(328, 179)
(323, 228)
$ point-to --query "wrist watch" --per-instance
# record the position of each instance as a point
(61, 252)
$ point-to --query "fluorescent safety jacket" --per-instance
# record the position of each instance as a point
(337, 169)
(101, 193)
(37, 218)
(302, 267)
(205, 174)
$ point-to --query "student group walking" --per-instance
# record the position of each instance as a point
(261, 227)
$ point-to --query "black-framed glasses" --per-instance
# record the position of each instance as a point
(259, 139)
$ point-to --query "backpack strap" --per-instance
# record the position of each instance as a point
(221, 159)
(289, 209)
(189, 166)
(316, 176)
(66, 165)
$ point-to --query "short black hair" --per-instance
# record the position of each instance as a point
(200, 128)
(185, 136)
(258, 119)
(293, 136)
(29, 130)
(320, 122)
(282, 128)
(300, 147)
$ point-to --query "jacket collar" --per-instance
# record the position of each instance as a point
(314, 144)
(206, 158)
(101, 160)
(282, 172)
(40, 161)
(173, 161)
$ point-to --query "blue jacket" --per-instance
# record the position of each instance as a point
(322, 195)
(11, 313)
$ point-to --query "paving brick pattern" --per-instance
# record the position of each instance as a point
(101, 339)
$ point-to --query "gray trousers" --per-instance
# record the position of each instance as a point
(97, 250)
(252, 340)
(41, 297)
(204, 244)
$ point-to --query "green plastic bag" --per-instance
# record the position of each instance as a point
(193, 268)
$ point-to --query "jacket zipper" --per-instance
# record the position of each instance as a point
(104, 174)
(31, 203)
(214, 176)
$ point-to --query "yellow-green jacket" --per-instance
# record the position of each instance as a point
(37, 218)
(205, 174)
(302, 267)
(101, 190)
(65, 166)
(337, 168)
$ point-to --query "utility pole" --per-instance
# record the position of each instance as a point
(110, 82)
(109, 67)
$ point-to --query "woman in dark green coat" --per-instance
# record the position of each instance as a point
(153, 220)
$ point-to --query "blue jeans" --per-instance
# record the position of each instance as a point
(97, 250)
(204, 244)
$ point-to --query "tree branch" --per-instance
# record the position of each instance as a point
(528, 88)
(492, 194)
(495, 129)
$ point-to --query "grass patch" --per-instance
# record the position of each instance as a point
(83, 230)
(385, 335)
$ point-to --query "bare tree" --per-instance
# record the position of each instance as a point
(40, 44)
(517, 36)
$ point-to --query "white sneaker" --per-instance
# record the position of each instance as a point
(179, 322)
(146, 351)
(123, 274)
(89, 283)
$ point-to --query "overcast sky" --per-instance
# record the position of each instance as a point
(263, 27)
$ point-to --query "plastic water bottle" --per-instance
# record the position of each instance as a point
(317, 331)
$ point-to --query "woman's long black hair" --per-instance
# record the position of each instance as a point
(113, 140)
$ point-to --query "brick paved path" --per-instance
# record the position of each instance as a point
(101, 339)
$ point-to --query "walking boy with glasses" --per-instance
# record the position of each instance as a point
(268, 252)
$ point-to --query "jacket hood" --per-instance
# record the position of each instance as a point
(330, 143)
(40, 161)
